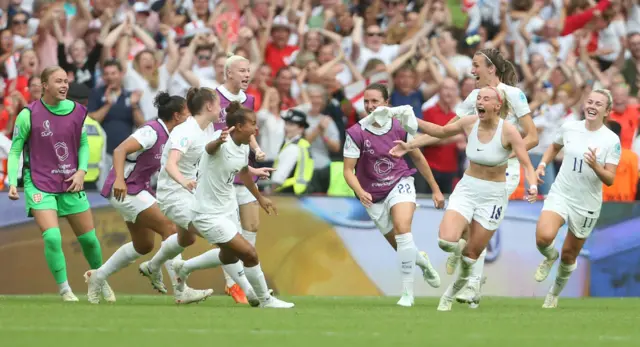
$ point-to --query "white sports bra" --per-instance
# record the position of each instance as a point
(487, 154)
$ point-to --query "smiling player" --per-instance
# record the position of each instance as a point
(591, 156)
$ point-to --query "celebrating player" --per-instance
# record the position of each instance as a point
(591, 156)
(128, 188)
(56, 157)
(480, 197)
(177, 183)
(216, 210)
(385, 187)
(237, 76)
(490, 70)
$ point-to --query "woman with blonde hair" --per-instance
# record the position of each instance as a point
(591, 155)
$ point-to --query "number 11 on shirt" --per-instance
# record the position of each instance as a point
(577, 165)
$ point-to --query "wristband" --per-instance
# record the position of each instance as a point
(543, 164)
(534, 186)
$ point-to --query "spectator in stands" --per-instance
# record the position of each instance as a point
(323, 135)
(625, 114)
(625, 184)
(116, 109)
(442, 158)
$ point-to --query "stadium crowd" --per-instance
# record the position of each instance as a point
(317, 57)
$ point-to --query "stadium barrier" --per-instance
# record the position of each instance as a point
(329, 246)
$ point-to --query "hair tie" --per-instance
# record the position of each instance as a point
(497, 93)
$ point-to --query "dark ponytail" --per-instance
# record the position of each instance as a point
(198, 97)
(237, 114)
(168, 105)
(505, 70)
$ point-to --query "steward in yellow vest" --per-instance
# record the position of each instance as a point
(294, 166)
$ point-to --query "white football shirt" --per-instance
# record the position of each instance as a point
(215, 193)
(576, 181)
(189, 139)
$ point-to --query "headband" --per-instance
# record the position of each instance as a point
(497, 93)
(486, 56)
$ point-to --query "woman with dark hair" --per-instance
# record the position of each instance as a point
(216, 214)
(128, 188)
(384, 185)
(177, 184)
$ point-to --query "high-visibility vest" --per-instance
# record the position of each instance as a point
(302, 173)
(337, 184)
(97, 141)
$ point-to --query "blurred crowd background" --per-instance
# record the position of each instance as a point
(317, 56)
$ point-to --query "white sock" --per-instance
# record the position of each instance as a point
(259, 284)
(550, 252)
(250, 236)
(229, 282)
(124, 256)
(206, 260)
(564, 272)
(463, 277)
(236, 272)
(466, 267)
(407, 256)
(169, 249)
(447, 246)
(477, 268)
(172, 274)
(64, 287)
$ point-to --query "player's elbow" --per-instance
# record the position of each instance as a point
(608, 181)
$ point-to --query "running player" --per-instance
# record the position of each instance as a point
(490, 70)
(177, 183)
(480, 197)
(56, 155)
(216, 210)
(385, 187)
(128, 188)
(591, 156)
(237, 77)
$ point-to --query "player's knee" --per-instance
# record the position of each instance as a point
(447, 245)
(186, 239)
(53, 240)
(250, 257)
(143, 247)
(543, 240)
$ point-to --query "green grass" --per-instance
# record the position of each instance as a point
(316, 321)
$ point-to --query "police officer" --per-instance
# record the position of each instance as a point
(294, 166)
(95, 135)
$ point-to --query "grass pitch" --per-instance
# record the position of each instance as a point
(142, 321)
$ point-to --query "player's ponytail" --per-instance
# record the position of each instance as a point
(505, 108)
(168, 105)
(198, 97)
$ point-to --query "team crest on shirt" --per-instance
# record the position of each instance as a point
(37, 197)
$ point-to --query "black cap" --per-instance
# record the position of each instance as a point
(78, 92)
(297, 117)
